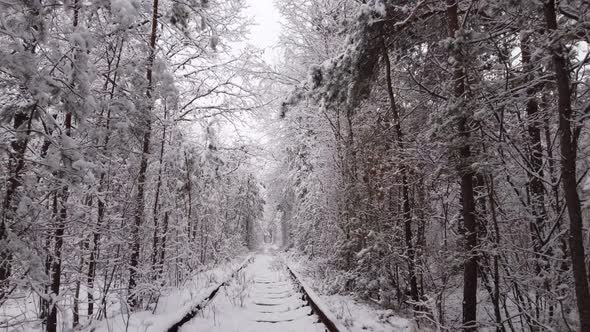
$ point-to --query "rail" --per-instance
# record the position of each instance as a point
(321, 310)
(318, 307)
(198, 307)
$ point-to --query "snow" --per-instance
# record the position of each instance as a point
(20, 308)
(125, 10)
(318, 301)
(173, 306)
(380, 8)
(355, 314)
(263, 298)
(361, 316)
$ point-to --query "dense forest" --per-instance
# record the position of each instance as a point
(426, 156)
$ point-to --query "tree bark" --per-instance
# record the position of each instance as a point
(101, 202)
(140, 199)
(406, 208)
(535, 173)
(155, 247)
(192, 227)
(16, 165)
(163, 249)
(63, 198)
(466, 174)
(57, 260)
(568, 148)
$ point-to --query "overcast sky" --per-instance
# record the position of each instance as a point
(265, 33)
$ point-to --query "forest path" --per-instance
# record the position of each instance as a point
(262, 297)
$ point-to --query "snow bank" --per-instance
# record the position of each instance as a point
(315, 300)
(354, 314)
(173, 306)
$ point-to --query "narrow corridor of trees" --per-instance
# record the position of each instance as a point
(430, 157)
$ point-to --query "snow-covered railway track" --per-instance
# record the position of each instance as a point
(265, 296)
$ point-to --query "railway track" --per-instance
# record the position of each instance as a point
(265, 295)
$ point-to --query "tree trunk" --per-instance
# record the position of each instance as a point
(76, 309)
(163, 249)
(568, 148)
(140, 199)
(63, 196)
(535, 173)
(496, 271)
(466, 174)
(16, 164)
(192, 228)
(101, 203)
(56, 261)
(406, 208)
(155, 247)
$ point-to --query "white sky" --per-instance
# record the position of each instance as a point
(265, 32)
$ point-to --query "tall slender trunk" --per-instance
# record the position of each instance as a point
(163, 247)
(535, 162)
(406, 208)
(44, 302)
(63, 197)
(192, 228)
(421, 233)
(155, 247)
(466, 174)
(101, 202)
(76, 309)
(568, 148)
(84, 248)
(16, 165)
(535, 173)
(140, 199)
(60, 200)
(496, 271)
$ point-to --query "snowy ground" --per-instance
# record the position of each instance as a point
(261, 298)
(172, 306)
(355, 314)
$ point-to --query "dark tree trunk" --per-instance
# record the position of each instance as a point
(496, 271)
(76, 309)
(568, 147)
(101, 204)
(155, 247)
(406, 208)
(16, 164)
(466, 174)
(63, 199)
(56, 267)
(192, 227)
(163, 248)
(535, 173)
(140, 199)
(57, 260)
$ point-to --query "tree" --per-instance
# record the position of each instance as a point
(568, 148)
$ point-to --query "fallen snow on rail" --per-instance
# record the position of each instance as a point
(355, 315)
(317, 301)
(262, 298)
(172, 306)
